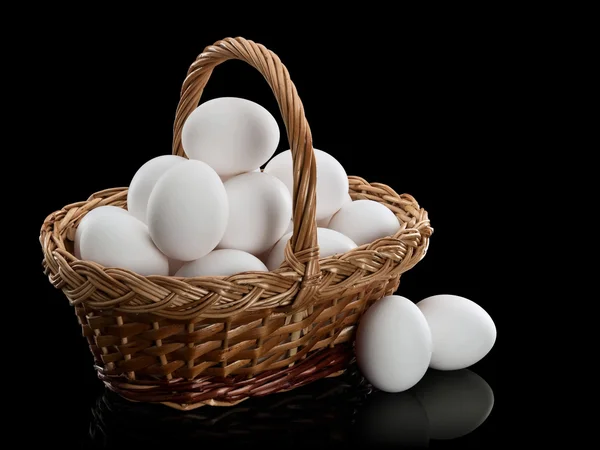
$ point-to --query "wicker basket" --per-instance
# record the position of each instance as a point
(220, 340)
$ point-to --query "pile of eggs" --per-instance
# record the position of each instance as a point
(217, 213)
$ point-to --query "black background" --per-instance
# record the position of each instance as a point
(416, 113)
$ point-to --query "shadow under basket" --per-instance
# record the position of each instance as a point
(188, 342)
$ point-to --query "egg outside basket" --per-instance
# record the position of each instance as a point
(220, 340)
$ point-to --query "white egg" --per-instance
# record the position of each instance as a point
(324, 223)
(330, 243)
(332, 180)
(99, 211)
(121, 240)
(365, 221)
(462, 332)
(188, 211)
(223, 262)
(456, 402)
(260, 209)
(143, 182)
(393, 344)
(232, 135)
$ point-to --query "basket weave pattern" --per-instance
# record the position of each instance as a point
(220, 340)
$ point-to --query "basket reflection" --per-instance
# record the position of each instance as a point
(321, 412)
(329, 413)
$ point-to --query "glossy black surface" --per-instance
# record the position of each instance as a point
(445, 410)
(414, 112)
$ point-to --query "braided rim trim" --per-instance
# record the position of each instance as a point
(217, 297)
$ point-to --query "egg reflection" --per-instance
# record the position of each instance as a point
(456, 402)
(393, 420)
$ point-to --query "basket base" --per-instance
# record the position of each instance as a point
(187, 395)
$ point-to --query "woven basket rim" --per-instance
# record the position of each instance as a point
(415, 237)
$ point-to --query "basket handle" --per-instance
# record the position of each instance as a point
(302, 253)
